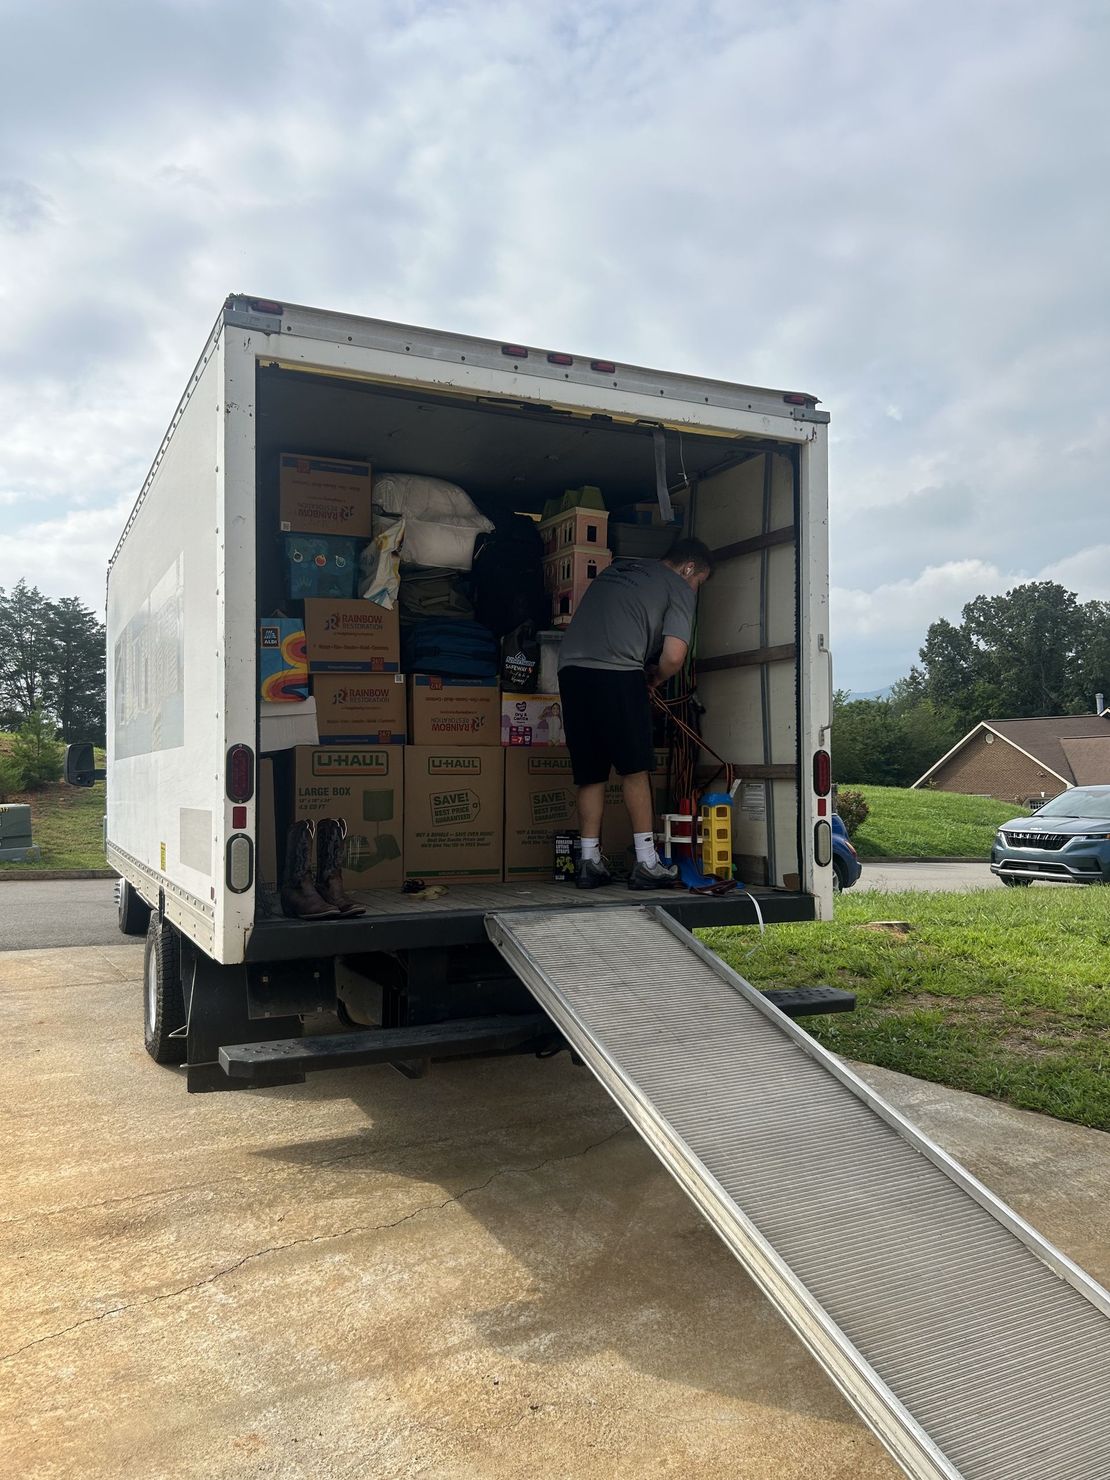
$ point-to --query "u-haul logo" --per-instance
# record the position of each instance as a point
(335, 762)
(548, 765)
(454, 765)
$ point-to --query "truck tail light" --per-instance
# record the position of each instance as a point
(557, 359)
(822, 843)
(267, 305)
(514, 351)
(240, 773)
(822, 772)
(240, 863)
(603, 367)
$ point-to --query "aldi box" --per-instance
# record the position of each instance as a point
(360, 708)
(540, 804)
(453, 711)
(351, 636)
(324, 495)
(532, 719)
(454, 813)
(364, 785)
(282, 660)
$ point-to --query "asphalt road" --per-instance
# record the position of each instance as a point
(957, 878)
(58, 912)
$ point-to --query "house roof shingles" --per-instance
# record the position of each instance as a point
(1052, 741)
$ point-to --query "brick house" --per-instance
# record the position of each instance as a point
(1025, 760)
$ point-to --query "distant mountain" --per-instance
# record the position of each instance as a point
(875, 693)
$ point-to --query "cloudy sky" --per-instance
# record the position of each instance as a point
(902, 208)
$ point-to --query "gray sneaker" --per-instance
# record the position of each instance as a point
(593, 875)
(653, 876)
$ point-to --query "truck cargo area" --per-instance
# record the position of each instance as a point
(514, 456)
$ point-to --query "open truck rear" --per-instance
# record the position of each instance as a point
(200, 561)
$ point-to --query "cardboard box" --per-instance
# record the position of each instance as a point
(532, 719)
(364, 786)
(360, 708)
(540, 802)
(454, 813)
(266, 826)
(351, 636)
(282, 660)
(453, 711)
(324, 495)
(616, 829)
(282, 726)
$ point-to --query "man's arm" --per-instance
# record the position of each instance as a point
(671, 660)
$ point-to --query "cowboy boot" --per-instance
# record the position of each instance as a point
(299, 899)
(330, 833)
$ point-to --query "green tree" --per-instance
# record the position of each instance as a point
(75, 672)
(1011, 656)
(36, 754)
(887, 742)
(24, 649)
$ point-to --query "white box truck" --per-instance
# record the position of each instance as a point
(200, 560)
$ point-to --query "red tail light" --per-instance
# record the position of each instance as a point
(240, 773)
(795, 398)
(603, 367)
(822, 772)
(514, 351)
(266, 305)
(560, 359)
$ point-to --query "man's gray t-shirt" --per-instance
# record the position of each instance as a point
(625, 614)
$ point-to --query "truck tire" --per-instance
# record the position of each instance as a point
(134, 912)
(163, 998)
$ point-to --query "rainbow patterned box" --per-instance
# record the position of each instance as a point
(282, 660)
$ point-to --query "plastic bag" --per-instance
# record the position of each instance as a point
(520, 660)
(441, 522)
(380, 564)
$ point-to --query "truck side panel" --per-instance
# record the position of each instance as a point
(164, 765)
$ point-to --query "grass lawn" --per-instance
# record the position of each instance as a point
(928, 824)
(67, 822)
(1004, 993)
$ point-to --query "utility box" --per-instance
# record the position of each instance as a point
(15, 834)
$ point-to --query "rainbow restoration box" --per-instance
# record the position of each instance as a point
(540, 801)
(356, 636)
(362, 784)
(454, 813)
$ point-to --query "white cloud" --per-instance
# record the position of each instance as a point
(891, 207)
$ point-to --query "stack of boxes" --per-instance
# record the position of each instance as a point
(442, 779)
(574, 530)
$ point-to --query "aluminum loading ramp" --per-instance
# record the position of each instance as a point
(969, 1345)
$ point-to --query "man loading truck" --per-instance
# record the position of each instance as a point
(631, 632)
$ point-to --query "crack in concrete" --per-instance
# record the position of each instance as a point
(214, 1182)
(316, 1238)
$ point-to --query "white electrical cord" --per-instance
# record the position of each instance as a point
(762, 927)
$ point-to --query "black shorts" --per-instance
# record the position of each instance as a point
(607, 718)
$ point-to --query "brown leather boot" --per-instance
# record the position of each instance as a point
(299, 898)
(330, 833)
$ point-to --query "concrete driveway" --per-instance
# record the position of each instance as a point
(482, 1274)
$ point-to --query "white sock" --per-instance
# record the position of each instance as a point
(591, 850)
(645, 848)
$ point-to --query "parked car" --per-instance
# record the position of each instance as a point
(1067, 839)
(846, 865)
